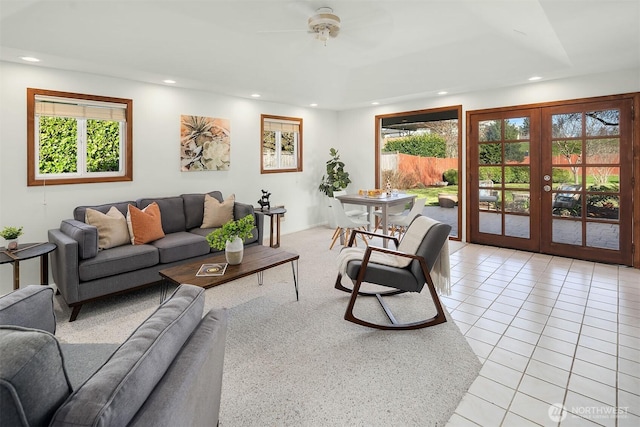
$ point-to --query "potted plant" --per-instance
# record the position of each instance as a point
(336, 178)
(11, 234)
(230, 238)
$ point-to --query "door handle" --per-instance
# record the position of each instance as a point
(547, 188)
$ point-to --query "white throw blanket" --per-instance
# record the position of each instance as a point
(440, 272)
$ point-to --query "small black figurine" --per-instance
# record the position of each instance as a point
(264, 201)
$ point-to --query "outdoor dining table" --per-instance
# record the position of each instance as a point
(383, 203)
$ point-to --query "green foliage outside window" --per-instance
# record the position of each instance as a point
(58, 147)
(423, 145)
(103, 146)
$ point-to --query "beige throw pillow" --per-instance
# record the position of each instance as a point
(112, 227)
(216, 214)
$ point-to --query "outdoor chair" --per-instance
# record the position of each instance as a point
(344, 223)
(567, 200)
(421, 256)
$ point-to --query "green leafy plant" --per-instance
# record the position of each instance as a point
(10, 233)
(336, 178)
(241, 228)
(451, 176)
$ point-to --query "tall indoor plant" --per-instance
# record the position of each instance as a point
(230, 238)
(336, 178)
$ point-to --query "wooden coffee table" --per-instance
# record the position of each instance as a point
(256, 259)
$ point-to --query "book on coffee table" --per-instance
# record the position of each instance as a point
(212, 269)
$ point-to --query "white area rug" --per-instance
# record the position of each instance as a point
(299, 363)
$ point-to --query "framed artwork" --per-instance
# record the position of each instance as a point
(205, 144)
(280, 144)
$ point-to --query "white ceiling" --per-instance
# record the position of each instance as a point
(386, 51)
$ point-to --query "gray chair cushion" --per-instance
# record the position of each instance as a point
(114, 394)
(181, 245)
(80, 212)
(33, 381)
(171, 212)
(29, 307)
(194, 207)
(118, 260)
(86, 236)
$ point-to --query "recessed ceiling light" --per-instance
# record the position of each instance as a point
(534, 78)
(443, 92)
(313, 105)
(375, 103)
(29, 59)
(255, 95)
(169, 81)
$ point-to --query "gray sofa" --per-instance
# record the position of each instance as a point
(82, 273)
(167, 373)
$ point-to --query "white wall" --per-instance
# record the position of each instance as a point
(357, 127)
(157, 111)
(156, 136)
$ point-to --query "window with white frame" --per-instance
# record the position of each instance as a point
(74, 138)
(281, 144)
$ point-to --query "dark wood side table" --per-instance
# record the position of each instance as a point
(27, 251)
(274, 214)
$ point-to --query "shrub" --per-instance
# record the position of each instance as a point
(451, 176)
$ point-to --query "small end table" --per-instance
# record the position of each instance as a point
(274, 214)
(27, 251)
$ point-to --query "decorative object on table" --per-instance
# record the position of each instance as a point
(204, 144)
(230, 238)
(212, 270)
(336, 178)
(388, 187)
(11, 234)
(264, 202)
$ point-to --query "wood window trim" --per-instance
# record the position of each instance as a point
(31, 139)
(298, 168)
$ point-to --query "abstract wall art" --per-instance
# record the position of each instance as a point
(205, 144)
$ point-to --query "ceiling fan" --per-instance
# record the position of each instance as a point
(324, 24)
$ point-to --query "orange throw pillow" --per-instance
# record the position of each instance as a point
(144, 225)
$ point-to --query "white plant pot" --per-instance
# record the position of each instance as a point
(12, 244)
(233, 251)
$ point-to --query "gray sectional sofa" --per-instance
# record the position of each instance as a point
(167, 373)
(82, 273)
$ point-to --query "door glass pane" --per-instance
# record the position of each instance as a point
(516, 128)
(517, 176)
(490, 173)
(602, 123)
(517, 201)
(602, 235)
(490, 222)
(490, 130)
(603, 151)
(566, 175)
(566, 152)
(490, 154)
(516, 152)
(569, 232)
(566, 200)
(603, 206)
(566, 125)
(517, 226)
(603, 178)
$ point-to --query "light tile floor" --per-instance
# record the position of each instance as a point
(551, 333)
